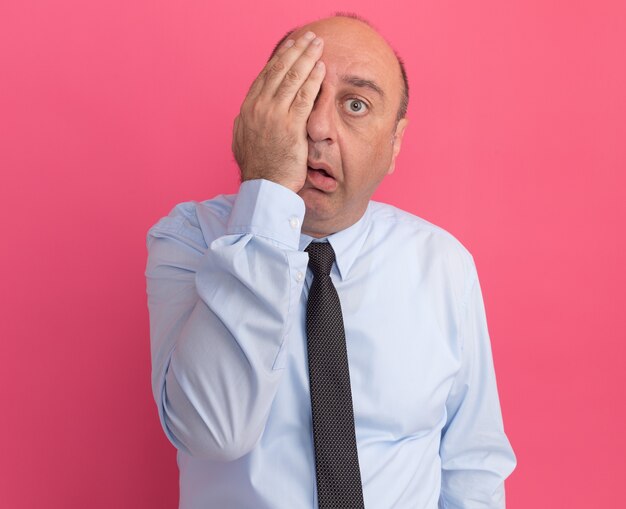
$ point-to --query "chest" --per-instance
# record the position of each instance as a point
(403, 352)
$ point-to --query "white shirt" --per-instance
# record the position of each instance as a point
(227, 289)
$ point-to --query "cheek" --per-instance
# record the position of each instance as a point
(377, 139)
(366, 156)
(376, 155)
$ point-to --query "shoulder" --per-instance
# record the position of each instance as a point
(420, 241)
(195, 222)
(409, 227)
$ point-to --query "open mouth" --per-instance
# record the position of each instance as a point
(321, 171)
(321, 179)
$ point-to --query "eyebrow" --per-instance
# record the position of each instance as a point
(357, 81)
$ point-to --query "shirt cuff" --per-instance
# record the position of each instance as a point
(269, 210)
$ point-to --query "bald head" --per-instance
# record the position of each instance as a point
(350, 30)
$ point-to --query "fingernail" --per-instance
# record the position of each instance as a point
(309, 36)
(289, 43)
(317, 41)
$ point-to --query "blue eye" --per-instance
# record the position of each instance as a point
(355, 106)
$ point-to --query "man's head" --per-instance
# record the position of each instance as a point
(404, 103)
(356, 126)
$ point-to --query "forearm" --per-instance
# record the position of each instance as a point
(216, 384)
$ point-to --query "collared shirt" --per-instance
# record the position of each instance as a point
(227, 284)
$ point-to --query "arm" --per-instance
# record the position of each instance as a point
(220, 309)
(475, 453)
(219, 318)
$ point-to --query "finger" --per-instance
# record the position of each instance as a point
(278, 71)
(298, 73)
(235, 131)
(283, 47)
(304, 99)
(257, 84)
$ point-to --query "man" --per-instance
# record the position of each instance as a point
(232, 339)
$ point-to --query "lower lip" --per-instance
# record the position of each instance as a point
(321, 181)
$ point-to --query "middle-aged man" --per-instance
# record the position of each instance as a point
(310, 347)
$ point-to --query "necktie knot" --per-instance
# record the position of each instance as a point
(321, 258)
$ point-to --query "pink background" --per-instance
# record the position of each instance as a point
(113, 112)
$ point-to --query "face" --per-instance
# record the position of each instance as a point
(353, 134)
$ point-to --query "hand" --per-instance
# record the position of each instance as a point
(269, 134)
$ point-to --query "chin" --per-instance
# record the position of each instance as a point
(319, 223)
(319, 229)
(319, 206)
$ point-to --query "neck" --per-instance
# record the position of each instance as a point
(319, 229)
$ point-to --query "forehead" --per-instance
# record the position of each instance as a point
(353, 48)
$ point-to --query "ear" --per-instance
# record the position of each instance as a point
(396, 141)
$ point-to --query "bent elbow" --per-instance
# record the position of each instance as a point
(223, 453)
(202, 442)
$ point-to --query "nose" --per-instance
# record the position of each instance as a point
(321, 123)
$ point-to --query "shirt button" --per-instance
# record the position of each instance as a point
(294, 222)
(299, 276)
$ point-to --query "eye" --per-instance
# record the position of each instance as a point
(355, 106)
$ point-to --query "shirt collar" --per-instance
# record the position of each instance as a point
(346, 243)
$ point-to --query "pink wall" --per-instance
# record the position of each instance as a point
(112, 112)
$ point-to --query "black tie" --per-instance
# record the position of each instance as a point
(336, 458)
